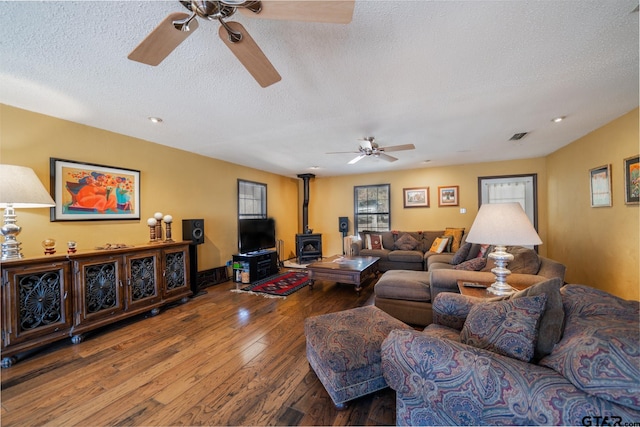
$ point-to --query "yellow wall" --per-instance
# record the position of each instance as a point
(333, 197)
(599, 246)
(173, 182)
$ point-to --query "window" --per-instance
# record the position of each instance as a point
(512, 188)
(252, 200)
(372, 207)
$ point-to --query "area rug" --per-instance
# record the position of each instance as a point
(278, 286)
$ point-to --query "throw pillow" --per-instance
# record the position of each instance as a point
(406, 243)
(475, 264)
(461, 254)
(439, 245)
(508, 327)
(456, 234)
(552, 320)
(376, 241)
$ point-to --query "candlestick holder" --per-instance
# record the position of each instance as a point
(152, 223)
(158, 218)
(168, 219)
(49, 246)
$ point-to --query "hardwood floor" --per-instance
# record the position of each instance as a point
(222, 358)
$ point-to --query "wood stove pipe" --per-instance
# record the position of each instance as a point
(305, 203)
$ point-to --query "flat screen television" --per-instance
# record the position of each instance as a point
(256, 234)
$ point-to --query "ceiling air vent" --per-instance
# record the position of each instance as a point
(518, 136)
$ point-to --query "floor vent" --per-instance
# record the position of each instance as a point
(213, 276)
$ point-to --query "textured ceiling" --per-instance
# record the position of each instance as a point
(455, 78)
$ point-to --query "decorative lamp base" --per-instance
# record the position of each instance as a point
(501, 259)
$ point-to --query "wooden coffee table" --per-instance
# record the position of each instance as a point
(343, 269)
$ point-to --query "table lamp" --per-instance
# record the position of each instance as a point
(19, 188)
(502, 224)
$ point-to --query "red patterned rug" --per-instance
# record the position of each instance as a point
(280, 285)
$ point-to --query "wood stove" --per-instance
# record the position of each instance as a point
(308, 247)
(308, 244)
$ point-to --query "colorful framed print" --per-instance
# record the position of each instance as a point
(416, 197)
(86, 191)
(631, 181)
(600, 180)
(448, 196)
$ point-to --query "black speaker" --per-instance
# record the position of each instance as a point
(193, 229)
(343, 224)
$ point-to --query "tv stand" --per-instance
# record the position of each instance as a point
(260, 264)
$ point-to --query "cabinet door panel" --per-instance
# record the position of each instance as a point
(35, 302)
(143, 279)
(175, 271)
(99, 288)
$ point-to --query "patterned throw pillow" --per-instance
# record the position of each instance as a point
(376, 241)
(475, 264)
(439, 245)
(406, 243)
(507, 327)
(456, 234)
(461, 254)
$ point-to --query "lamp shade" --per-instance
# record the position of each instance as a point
(21, 188)
(503, 224)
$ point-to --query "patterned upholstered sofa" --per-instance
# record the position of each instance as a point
(456, 372)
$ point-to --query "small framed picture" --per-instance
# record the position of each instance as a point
(416, 197)
(631, 181)
(600, 181)
(448, 196)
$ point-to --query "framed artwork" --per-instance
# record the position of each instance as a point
(600, 186)
(631, 181)
(448, 196)
(416, 197)
(86, 191)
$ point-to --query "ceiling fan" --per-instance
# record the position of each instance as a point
(176, 27)
(369, 147)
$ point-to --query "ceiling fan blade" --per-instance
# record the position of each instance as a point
(386, 157)
(250, 55)
(162, 40)
(398, 147)
(357, 159)
(330, 11)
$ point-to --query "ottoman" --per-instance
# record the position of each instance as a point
(405, 295)
(343, 349)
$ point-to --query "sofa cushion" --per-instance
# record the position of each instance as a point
(552, 320)
(599, 350)
(406, 242)
(475, 264)
(525, 260)
(456, 234)
(406, 256)
(508, 327)
(461, 254)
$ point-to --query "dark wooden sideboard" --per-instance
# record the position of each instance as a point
(49, 298)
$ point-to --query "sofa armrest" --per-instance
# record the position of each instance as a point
(551, 269)
(443, 382)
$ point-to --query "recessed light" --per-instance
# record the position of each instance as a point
(314, 167)
(155, 120)
(558, 119)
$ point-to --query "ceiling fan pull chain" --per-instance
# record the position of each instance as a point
(183, 24)
(234, 37)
